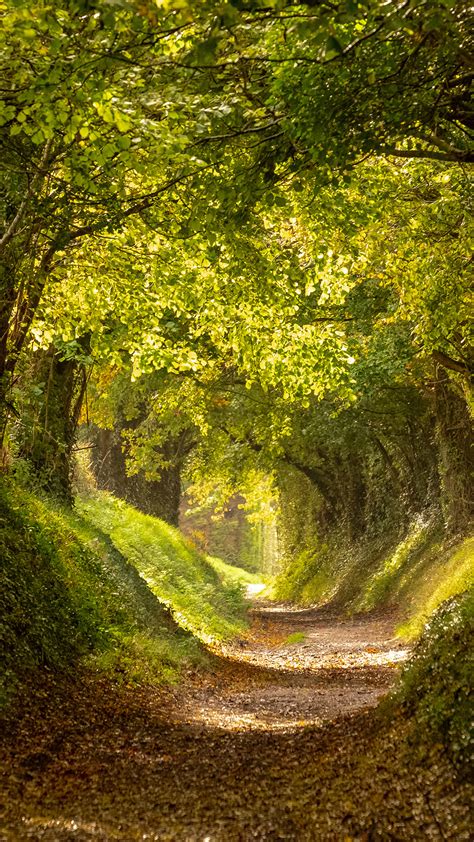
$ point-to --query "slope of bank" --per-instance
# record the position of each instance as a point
(180, 577)
(425, 584)
(412, 577)
(72, 590)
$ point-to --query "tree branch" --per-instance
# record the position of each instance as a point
(11, 230)
(448, 362)
(455, 157)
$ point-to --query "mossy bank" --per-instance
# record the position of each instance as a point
(107, 586)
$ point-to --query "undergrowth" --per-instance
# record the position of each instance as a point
(414, 576)
(68, 595)
(306, 580)
(452, 574)
(176, 573)
(436, 685)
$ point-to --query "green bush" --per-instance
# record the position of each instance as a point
(436, 684)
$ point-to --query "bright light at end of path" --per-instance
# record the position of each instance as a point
(254, 589)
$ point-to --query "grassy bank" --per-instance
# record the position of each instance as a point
(412, 577)
(231, 575)
(427, 581)
(435, 690)
(179, 576)
(106, 586)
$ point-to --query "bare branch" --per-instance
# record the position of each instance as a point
(12, 228)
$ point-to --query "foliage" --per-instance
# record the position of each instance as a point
(176, 573)
(413, 574)
(84, 141)
(280, 312)
(377, 80)
(68, 593)
(306, 579)
(436, 686)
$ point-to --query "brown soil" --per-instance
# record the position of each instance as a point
(279, 741)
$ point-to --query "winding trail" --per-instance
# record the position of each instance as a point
(267, 682)
(279, 741)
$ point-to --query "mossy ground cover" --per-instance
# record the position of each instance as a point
(179, 576)
(69, 594)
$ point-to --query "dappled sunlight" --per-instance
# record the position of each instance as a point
(229, 720)
(42, 823)
(268, 725)
(308, 662)
(235, 420)
(334, 660)
(295, 670)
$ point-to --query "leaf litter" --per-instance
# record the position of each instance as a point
(276, 741)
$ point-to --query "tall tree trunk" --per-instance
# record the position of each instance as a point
(21, 288)
(456, 457)
(47, 439)
(160, 498)
(7, 303)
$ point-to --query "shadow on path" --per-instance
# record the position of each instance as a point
(279, 741)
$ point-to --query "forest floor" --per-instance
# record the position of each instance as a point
(280, 740)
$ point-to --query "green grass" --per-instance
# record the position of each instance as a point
(394, 569)
(68, 594)
(176, 573)
(296, 637)
(451, 574)
(229, 574)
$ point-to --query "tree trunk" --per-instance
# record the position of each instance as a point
(160, 498)
(456, 463)
(47, 438)
(7, 303)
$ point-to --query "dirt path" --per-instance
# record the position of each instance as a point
(297, 668)
(280, 741)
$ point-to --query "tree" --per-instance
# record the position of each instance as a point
(247, 253)
(85, 143)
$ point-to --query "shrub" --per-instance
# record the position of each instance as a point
(436, 684)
